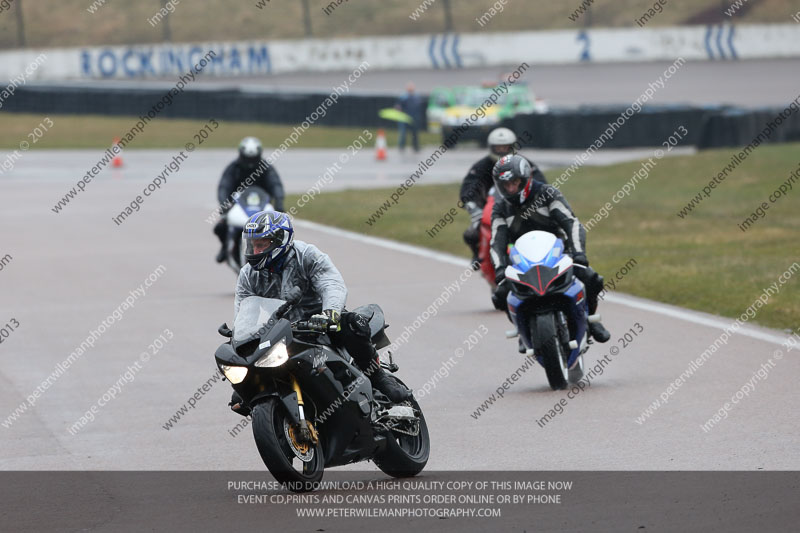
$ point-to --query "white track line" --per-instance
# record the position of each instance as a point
(695, 317)
(384, 243)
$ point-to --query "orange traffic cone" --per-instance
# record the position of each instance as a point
(380, 146)
(117, 161)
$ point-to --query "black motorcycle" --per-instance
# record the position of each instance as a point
(311, 407)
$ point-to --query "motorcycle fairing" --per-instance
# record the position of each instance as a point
(537, 261)
(249, 202)
(237, 217)
(339, 390)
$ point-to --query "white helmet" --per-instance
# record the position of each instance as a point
(250, 152)
(501, 142)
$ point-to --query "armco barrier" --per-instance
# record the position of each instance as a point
(708, 127)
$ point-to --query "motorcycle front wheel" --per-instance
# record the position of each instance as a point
(548, 346)
(296, 464)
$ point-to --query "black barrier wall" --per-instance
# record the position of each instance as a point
(707, 126)
(225, 104)
(582, 127)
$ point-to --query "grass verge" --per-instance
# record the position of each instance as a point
(703, 261)
(94, 131)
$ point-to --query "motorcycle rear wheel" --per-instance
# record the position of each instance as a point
(406, 455)
(270, 424)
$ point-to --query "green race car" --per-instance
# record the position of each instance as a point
(449, 107)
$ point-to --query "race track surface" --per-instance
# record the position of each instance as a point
(70, 271)
(752, 83)
(300, 169)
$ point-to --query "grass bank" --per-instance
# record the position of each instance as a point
(94, 131)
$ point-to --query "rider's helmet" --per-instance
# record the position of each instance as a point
(266, 239)
(250, 152)
(501, 142)
(513, 178)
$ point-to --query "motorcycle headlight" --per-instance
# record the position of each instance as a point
(563, 281)
(235, 374)
(522, 290)
(276, 356)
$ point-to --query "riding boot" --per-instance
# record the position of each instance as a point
(472, 239)
(596, 329)
(221, 231)
(380, 379)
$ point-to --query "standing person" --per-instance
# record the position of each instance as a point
(249, 169)
(410, 104)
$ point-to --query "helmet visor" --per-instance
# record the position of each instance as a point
(501, 149)
(511, 187)
(258, 245)
(250, 162)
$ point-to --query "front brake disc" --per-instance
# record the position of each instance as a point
(302, 450)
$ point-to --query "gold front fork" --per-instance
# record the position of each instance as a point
(306, 429)
(296, 388)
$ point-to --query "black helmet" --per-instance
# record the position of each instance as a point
(266, 239)
(513, 178)
(250, 152)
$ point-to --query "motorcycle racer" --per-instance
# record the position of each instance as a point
(277, 263)
(525, 204)
(249, 169)
(476, 184)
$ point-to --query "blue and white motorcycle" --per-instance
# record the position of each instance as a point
(547, 304)
(245, 204)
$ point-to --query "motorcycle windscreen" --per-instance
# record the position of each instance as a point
(536, 247)
(253, 198)
(254, 312)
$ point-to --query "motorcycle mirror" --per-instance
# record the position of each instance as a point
(224, 330)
